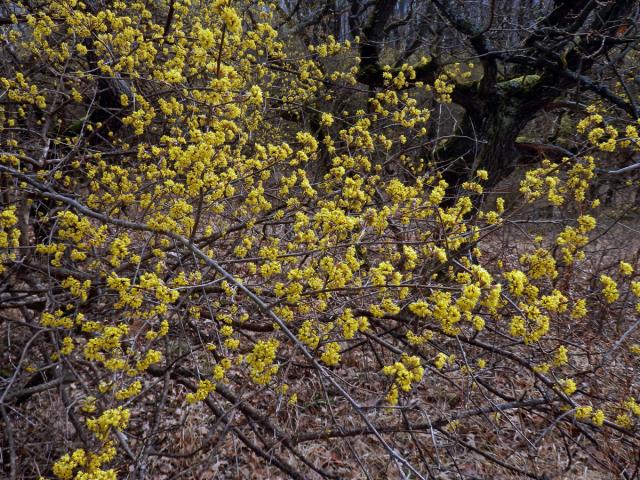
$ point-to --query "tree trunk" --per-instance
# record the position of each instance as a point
(487, 137)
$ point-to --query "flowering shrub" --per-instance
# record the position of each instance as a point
(192, 233)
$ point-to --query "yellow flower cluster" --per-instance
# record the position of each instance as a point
(572, 239)
(587, 413)
(405, 373)
(205, 388)
(531, 326)
(568, 386)
(261, 359)
(609, 288)
(131, 391)
(350, 324)
(541, 264)
(86, 465)
(331, 354)
(443, 89)
(9, 236)
(115, 418)
(108, 341)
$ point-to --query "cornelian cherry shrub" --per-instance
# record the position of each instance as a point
(307, 239)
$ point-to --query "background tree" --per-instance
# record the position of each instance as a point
(525, 56)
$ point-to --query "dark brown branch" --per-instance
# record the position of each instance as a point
(167, 24)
